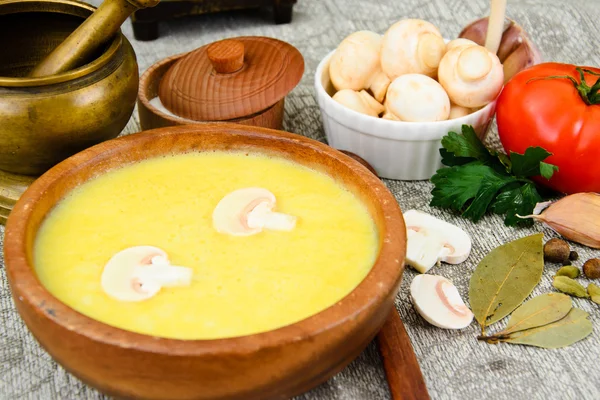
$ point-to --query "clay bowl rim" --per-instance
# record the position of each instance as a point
(177, 120)
(370, 293)
(72, 74)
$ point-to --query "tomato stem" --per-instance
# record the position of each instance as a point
(590, 95)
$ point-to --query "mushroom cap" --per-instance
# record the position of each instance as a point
(457, 243)
(118, 277)
(412, 46)
(231, 213)
(457, 111)
(471, 75)
(459, 43)
(439, 303)
(417, 98)
(361, 102)
(355, 61)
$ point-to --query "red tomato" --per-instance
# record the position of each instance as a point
(552, 114)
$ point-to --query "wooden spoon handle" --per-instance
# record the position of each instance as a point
(400, 362)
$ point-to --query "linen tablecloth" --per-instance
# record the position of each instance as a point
(454, 363)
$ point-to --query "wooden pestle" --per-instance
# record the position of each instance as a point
(89, 36)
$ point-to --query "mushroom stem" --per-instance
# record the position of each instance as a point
(496, 25)
(379, 85)
(262, 217)
(163, 275)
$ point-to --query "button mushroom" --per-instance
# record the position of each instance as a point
(457, 111)
(417, 98)
(138, 273)
(439, 303)
(248, 211)
(412, 46)
(459, 42)
(361, 102)
(471, 75)
(355, 64)
(442, 241)
(505, 38)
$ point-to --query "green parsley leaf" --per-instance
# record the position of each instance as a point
(450, 160)
(547, 170)
(466, 145)
(473, 183)
(479, 180)
(517, 201)
(530, 163)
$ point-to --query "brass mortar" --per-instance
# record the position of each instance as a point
(44, 120)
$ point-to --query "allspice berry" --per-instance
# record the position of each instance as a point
(557, 251)
(591, 268)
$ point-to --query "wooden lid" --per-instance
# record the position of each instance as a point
(231, 78)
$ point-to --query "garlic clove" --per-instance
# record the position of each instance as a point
(248, 211)
(417, 98)
(138, 273)
(456, 243)
(576, 217)
(437, 300)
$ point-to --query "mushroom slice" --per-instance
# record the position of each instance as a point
(355, 64)
(138, 273)
(439, 303)
(412, 46)
(456, 243)
(417, 98)
(423, 249)
(248, 211)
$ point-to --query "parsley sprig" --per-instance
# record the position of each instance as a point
(479, 180)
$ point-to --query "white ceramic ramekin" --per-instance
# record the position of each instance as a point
(396, 149)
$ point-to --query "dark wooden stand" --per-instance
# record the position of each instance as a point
(145, 21)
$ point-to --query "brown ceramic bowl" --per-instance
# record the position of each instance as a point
(152, 117)
(272, 365)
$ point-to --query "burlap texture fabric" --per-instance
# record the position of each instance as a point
(454, 363)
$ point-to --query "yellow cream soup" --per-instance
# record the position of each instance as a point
(240, 285)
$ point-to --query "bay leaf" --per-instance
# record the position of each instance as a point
(505, 277)
(564, 332)
(539, 311)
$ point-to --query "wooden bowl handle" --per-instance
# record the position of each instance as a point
(400, 362)
(226, 56)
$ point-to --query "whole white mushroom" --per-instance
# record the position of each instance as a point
(355, 64)
(412, 46)
(361, 102)
(417, 98)
(471, 75)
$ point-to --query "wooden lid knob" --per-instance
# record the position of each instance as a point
(226, 56)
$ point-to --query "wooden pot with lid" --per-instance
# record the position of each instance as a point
(242, 80)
